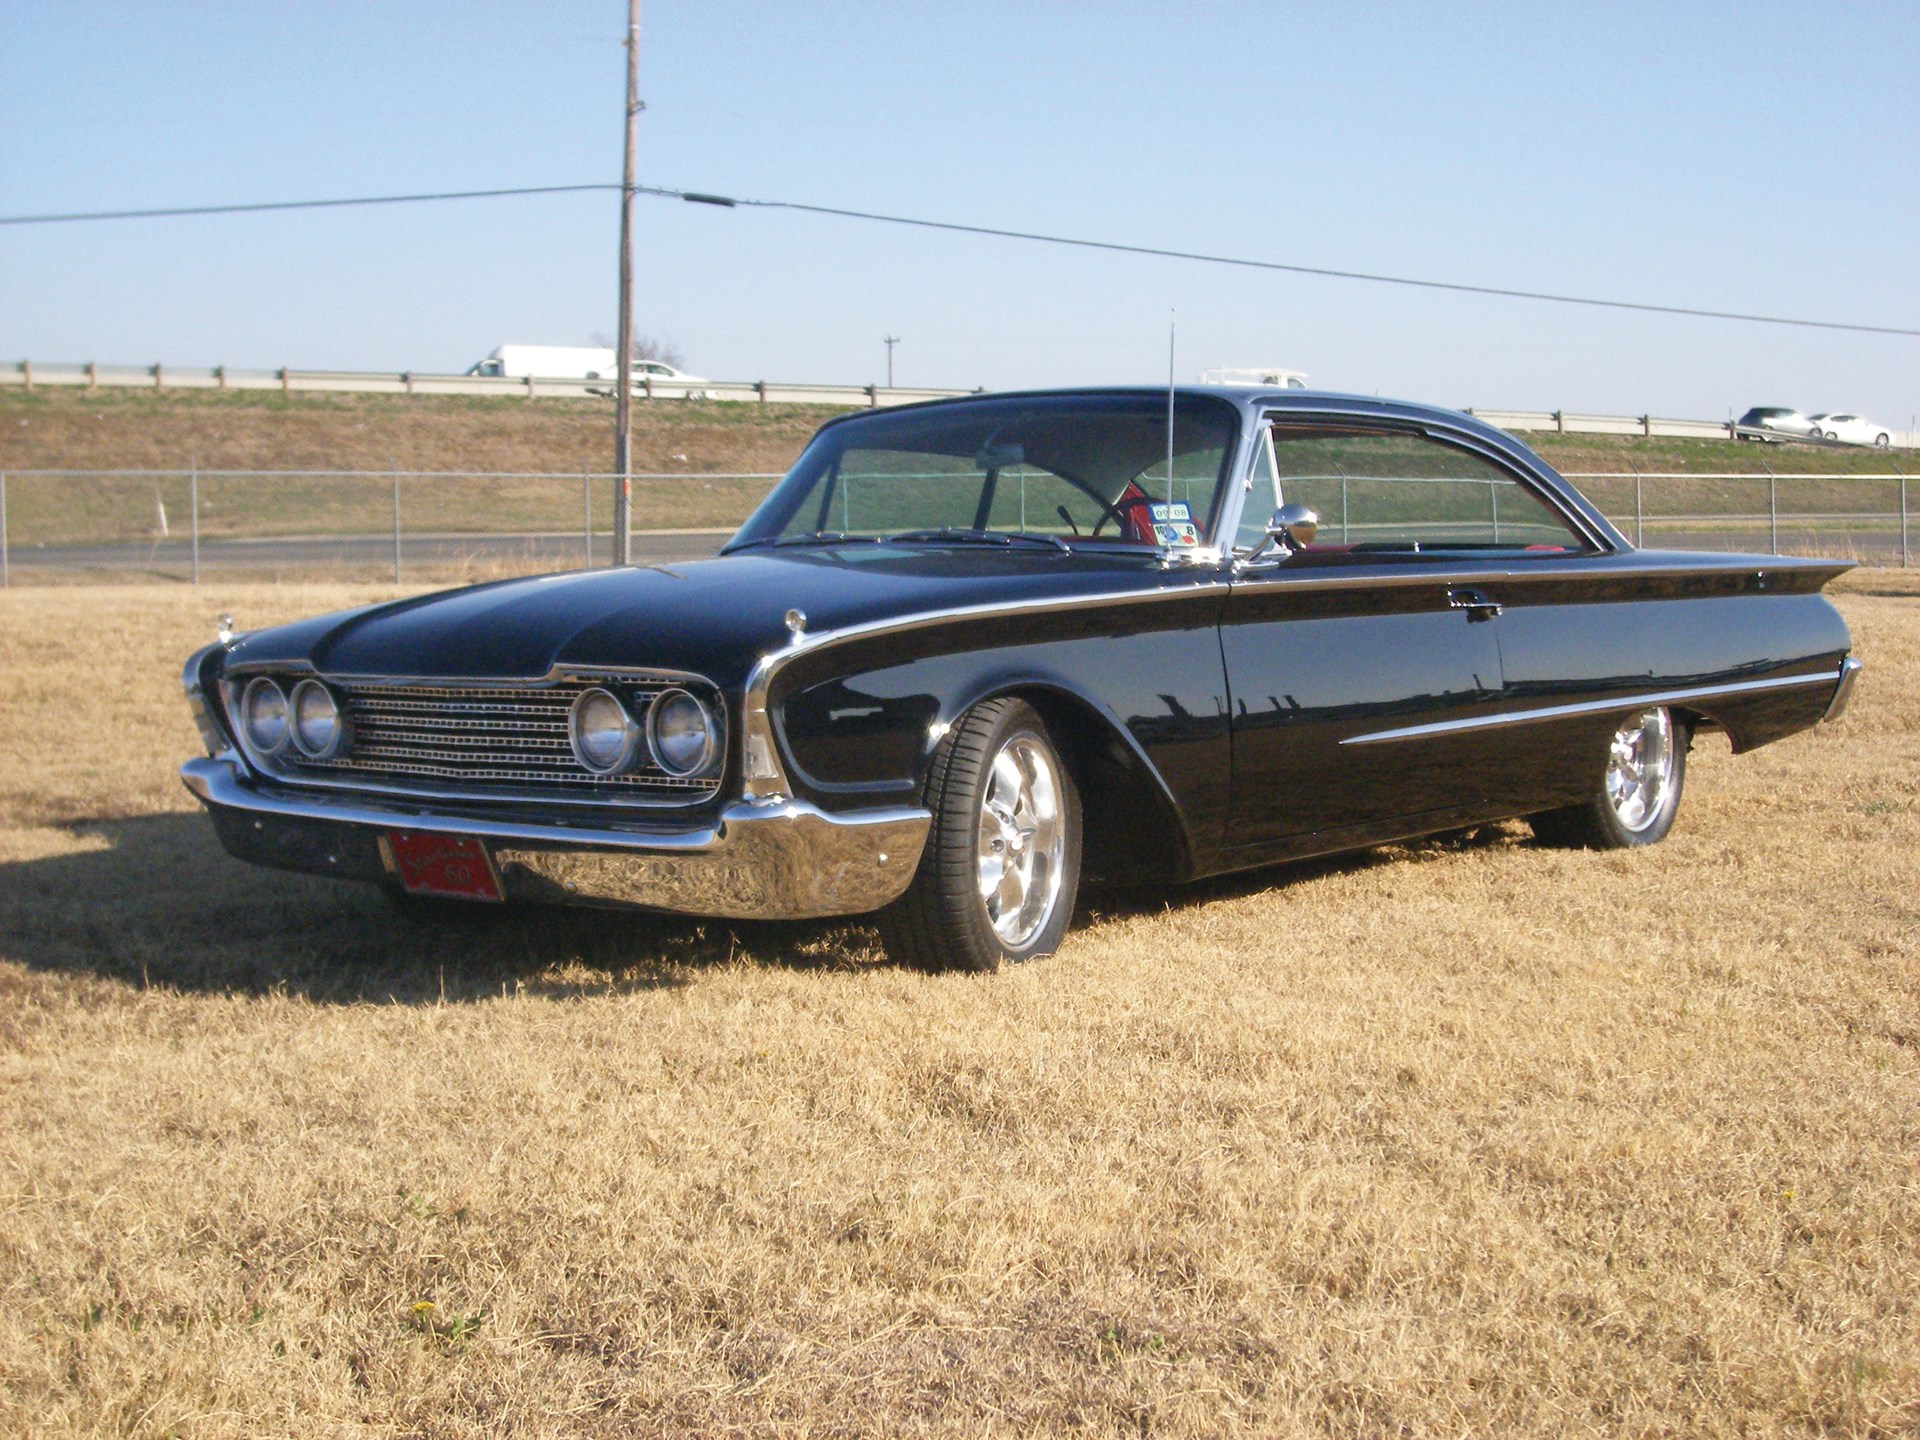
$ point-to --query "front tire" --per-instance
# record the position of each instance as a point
(1883, 440)
(1639, 790)
(1001, 868)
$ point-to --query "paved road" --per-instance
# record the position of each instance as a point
(362, 552)
(535, 553)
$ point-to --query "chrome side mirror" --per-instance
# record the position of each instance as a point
(1292, 527)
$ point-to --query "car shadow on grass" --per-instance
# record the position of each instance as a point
(1101, 903)
(153, 901)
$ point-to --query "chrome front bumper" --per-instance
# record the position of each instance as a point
(785, 860)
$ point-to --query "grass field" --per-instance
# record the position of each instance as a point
(252, 431)
(1462, 1137)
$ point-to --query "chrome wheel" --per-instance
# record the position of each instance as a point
(1022, 840)
(1640, 770)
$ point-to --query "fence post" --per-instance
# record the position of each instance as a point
(586, 513)
(760, 389)
(406, 378)
(193, 504)
(159, 376)
(93, 376)
(285, 388)
(6, 566)
(26, 373)
(396, 526)
(1890, 465)
(1773, 510)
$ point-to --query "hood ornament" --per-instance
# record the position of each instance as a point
(223, 627)
(796, 622)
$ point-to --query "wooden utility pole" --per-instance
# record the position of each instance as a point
(623, 404)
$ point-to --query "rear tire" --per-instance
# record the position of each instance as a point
(1638, 793)
(1001, 869)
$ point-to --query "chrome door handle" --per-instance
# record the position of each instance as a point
(1474, 602)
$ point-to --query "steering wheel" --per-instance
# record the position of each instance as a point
(1112, 511)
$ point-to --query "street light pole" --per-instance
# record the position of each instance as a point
(623, 402)
(892, 340)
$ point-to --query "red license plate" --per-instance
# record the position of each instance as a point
(449, 865)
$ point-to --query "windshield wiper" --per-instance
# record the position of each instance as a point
(954, 534)
(810, 537)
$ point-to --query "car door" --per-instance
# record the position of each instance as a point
(1352, 663)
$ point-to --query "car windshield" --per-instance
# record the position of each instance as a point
(1060, 469)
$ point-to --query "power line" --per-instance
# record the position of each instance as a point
(81, 215)
(1125, 249)
(996, 232)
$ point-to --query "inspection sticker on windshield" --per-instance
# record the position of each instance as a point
(1173, 524)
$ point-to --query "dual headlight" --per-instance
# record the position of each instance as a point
(679, 734)
(309, 719)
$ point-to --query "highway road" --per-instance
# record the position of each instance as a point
(359, 553)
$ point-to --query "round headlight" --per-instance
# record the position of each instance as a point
(679, 733)
(263, 711)
(603, 734)
(317, 728)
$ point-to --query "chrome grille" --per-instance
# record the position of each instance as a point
(471, 739)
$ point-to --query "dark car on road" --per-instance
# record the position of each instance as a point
(969, 653)
(1773, 424)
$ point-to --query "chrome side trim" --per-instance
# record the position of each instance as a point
(764, 778)
(1587, 707)
(783, 861)
(1843, 692)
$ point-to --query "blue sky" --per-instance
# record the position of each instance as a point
(1732, 157)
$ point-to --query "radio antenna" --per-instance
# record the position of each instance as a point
(1171, 316)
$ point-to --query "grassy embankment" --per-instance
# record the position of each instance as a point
(1459, 1137)
(118, 429)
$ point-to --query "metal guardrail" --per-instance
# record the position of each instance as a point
(373, 522)
(28, 374)
(1565, 422)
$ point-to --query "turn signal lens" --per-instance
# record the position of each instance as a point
(603, 733)
(680, 733)
(263, 711)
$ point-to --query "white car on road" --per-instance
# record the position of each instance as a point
(1850, 430)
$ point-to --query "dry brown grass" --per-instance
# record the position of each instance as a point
(1462, 1137)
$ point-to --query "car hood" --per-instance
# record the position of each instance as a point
(709, 617)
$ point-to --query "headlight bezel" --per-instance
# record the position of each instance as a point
(709, 732)
(631, 733)
(336, 740)
(259, 685)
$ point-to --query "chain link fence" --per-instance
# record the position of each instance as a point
(69, 525)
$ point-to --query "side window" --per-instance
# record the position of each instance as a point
(1263, 498)
(1390, 491)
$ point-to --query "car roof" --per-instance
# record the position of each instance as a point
(1245, 397)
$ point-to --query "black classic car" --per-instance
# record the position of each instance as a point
(968, 653)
